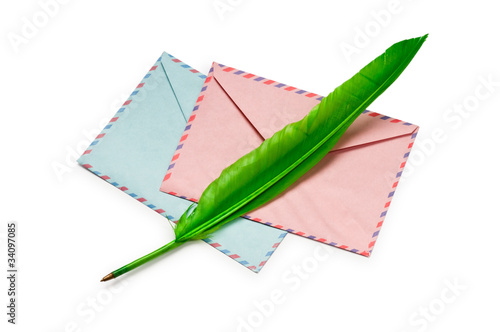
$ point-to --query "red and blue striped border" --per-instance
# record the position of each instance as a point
(127, 191)
(307, 94)
(244, 262)
(391, 194)
(188, 127)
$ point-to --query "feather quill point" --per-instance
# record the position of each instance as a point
(261, 175)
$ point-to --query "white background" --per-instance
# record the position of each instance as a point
(63, 80)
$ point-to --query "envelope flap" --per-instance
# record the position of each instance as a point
(270, 105)
(183, 80)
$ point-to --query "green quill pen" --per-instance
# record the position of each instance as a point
(261, 175)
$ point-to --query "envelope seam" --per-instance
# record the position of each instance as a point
(173, 90)
(239, 109)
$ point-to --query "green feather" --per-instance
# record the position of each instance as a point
(267, 171)
(261, 175)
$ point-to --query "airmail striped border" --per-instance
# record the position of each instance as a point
(144, 200)
(383, 214)
(126, 105)
(126, 190)
(269, 82)
(244, 262)
(306, 94)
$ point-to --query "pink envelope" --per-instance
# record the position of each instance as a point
(342, 201)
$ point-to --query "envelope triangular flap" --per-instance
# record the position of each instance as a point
(270, 106)
(182, 82)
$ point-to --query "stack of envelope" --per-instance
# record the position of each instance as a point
(179, 129)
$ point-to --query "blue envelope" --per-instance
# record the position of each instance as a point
(133, 150)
